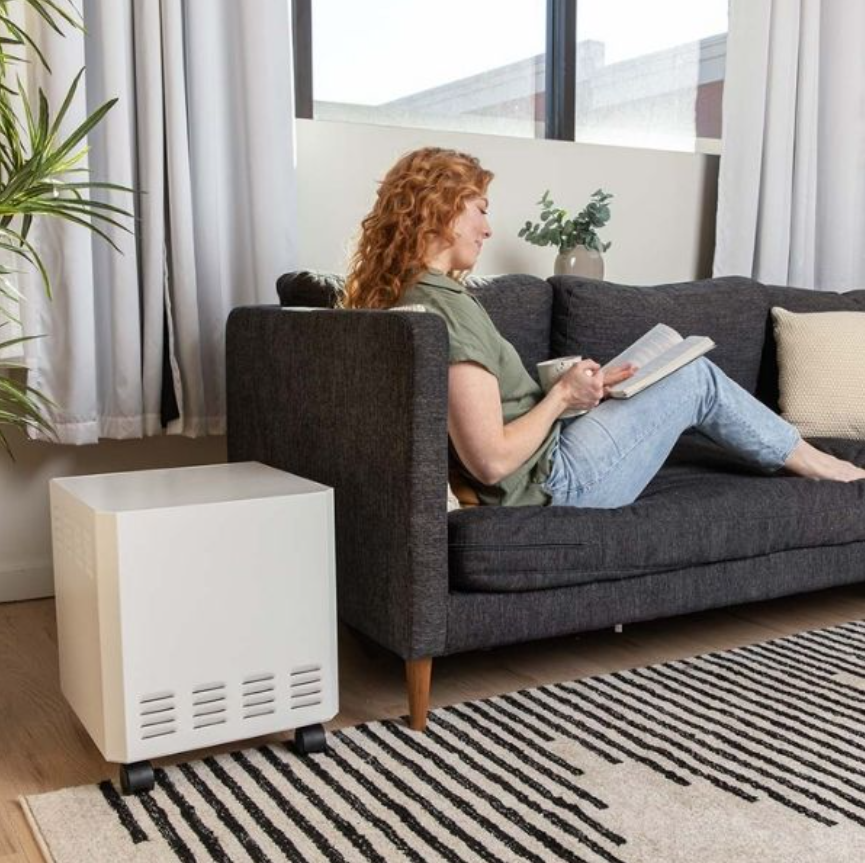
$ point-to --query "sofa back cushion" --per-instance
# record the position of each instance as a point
(600, 319)
(520, 306)
(798, 300)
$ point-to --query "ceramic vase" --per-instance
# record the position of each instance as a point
(580, 261)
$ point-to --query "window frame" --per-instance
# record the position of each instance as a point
(561, 65)
(301, 37)
(561, 70)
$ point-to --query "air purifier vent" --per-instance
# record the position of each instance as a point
(157, 715)
(259, 695)
(207, 721)
(204, 688)
(305, 686)
(209, 706)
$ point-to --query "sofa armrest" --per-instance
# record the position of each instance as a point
(357, 400)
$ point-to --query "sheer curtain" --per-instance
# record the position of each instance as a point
(791, 190)
(203, 131)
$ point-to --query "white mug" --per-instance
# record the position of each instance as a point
(550, 371)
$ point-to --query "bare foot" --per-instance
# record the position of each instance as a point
(807, 461)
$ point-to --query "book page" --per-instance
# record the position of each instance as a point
(660, 366)
(659, 339)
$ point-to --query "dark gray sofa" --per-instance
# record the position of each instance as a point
(357, 400)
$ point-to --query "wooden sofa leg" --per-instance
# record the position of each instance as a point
(418, 673)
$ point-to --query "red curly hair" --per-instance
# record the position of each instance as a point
(417, 202)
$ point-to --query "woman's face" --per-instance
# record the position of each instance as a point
(471, 228)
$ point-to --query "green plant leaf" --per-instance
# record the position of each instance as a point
(17, 341)
(41, 6)
(556, 227)
(23, 37)
(67, 101)
(25, 250)
(79, 133)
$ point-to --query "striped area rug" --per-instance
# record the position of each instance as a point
(754, 754)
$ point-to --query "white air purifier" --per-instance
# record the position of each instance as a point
(195, 606)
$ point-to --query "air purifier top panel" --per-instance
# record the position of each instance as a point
(188, 486)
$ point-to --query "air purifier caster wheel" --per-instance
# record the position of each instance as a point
(136, 777)
(310, 738)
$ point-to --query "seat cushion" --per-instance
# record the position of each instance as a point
(703, 507)
(600, 319)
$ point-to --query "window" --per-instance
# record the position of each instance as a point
(636, 72)
(650, 74)
(472, 66)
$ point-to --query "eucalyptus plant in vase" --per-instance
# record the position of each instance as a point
(580, 248)
(41, 176)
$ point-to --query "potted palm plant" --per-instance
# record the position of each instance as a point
(580, 248)
(40, 177)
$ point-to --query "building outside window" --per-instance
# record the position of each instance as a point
(648, 73)
(459, 65)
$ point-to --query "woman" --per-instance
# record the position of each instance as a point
(428, 226)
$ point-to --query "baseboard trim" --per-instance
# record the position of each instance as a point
(30, 582)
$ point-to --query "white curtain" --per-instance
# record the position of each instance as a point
(203, 131)
(791, 190)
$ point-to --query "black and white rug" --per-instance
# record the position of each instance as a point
(754, 754)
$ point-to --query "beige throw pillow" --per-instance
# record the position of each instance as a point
(821, 372)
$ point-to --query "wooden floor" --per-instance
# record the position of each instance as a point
(42, 746)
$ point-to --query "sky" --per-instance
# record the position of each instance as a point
(372, 51)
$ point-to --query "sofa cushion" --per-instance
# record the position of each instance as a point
(799, 300)
(701, 508)
(821, 371)
(306, 288)
(521, 308)
(600, 319)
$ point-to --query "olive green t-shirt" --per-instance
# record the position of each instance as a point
(474, 338)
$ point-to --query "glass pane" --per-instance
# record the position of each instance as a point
(464, 65)
(650, 73)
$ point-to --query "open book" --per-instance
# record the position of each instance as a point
(658, 353)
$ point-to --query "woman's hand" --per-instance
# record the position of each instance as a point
(581, 386)
(617, 375)
(584, 385)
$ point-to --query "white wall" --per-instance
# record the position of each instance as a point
(663, 213)
(662, 230)
(25, 532)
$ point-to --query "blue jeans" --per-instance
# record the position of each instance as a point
(605, 458)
